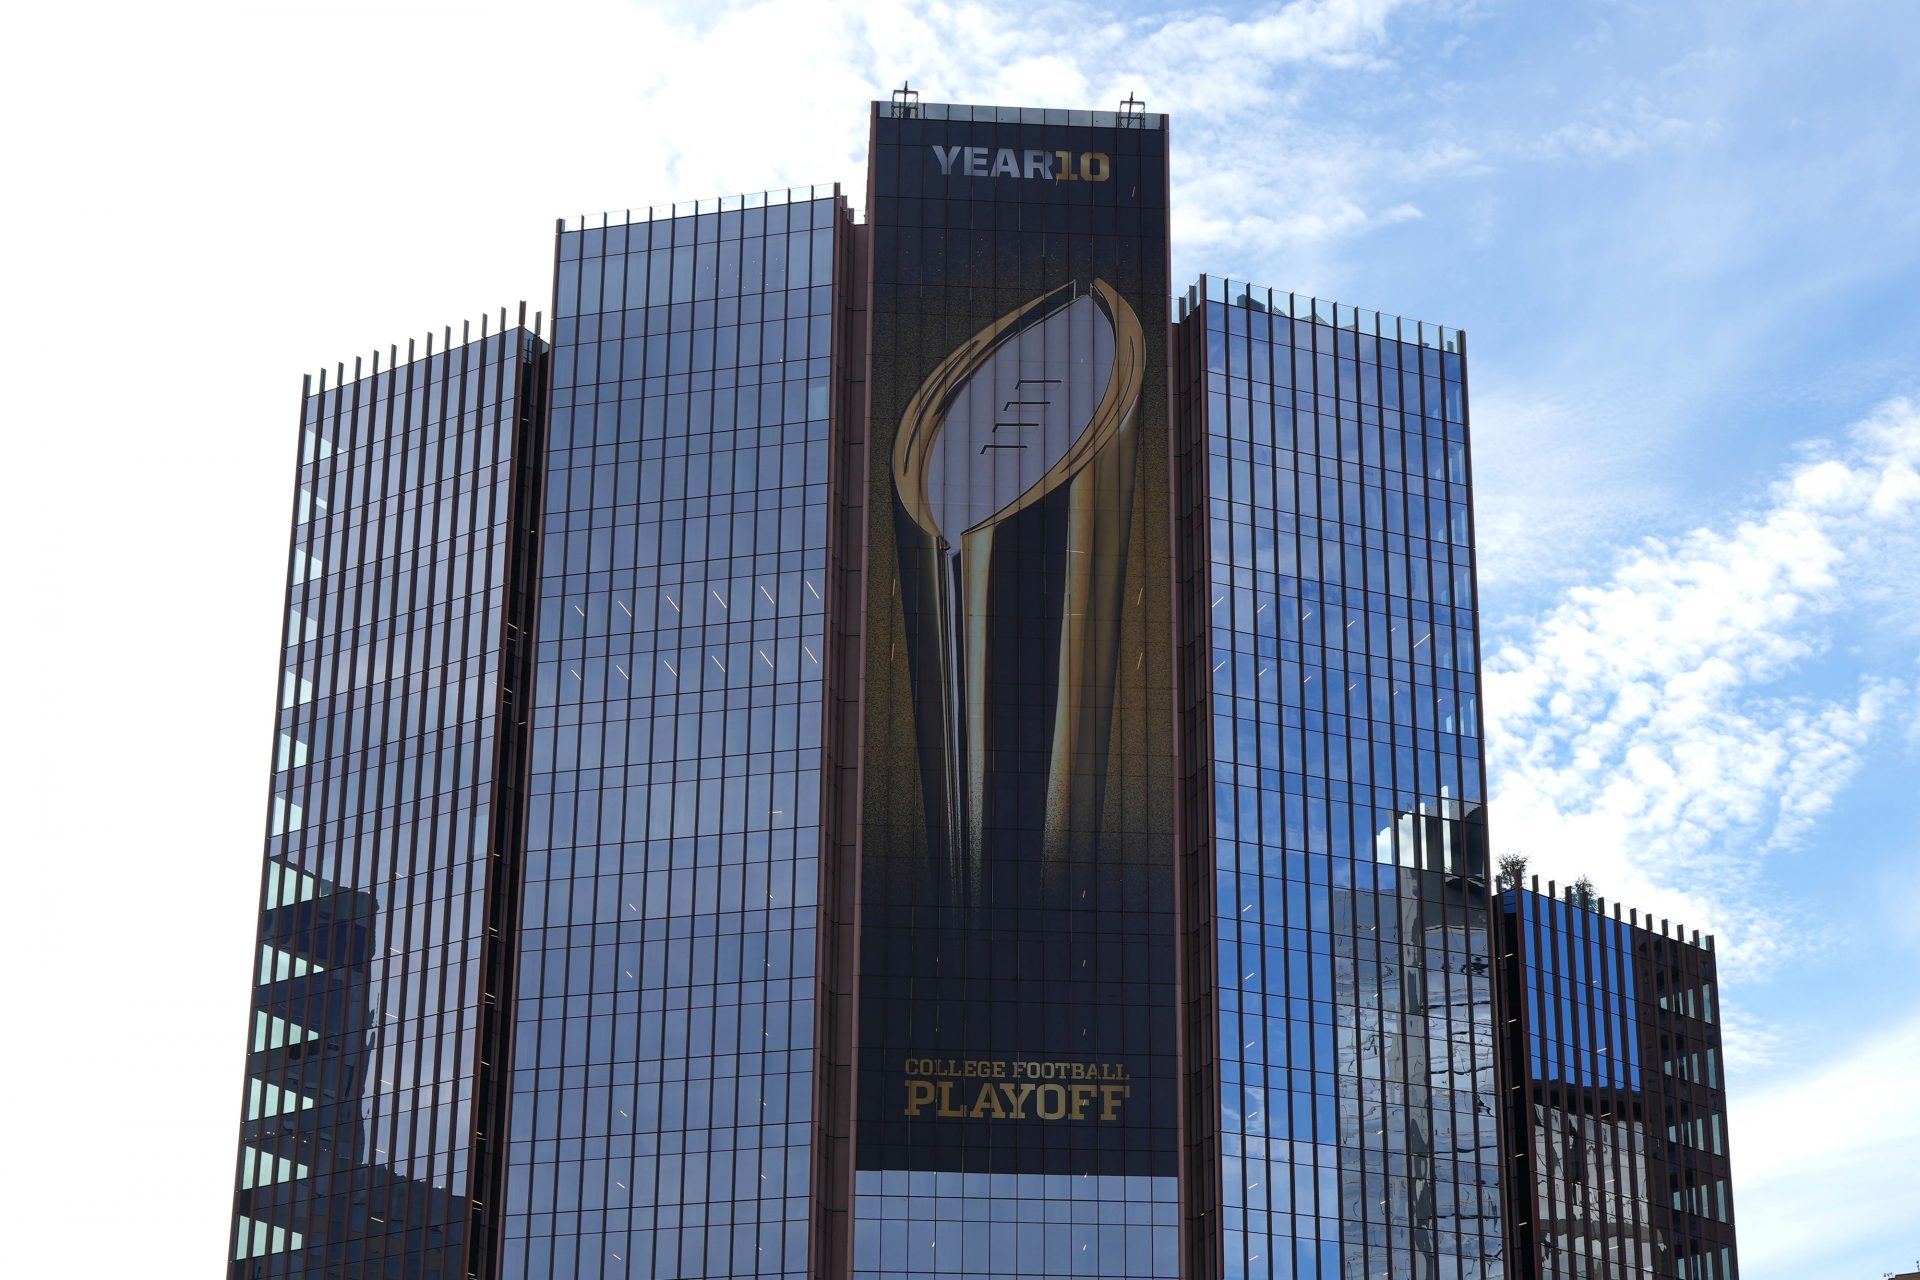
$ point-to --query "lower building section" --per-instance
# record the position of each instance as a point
(1015, 1224)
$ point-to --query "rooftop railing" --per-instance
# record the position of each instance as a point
(1300, 306)
(688, 208)
(1024, 115)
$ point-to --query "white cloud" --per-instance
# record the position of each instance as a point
(1663, 730)
(1825, 1163)
(1750, 1044)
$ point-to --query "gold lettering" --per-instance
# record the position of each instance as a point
(1065, 172)
(1088, 1090)
(1094, 166)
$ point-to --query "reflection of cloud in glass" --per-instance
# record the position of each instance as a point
(1040, 403)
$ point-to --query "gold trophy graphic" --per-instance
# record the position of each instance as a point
(1013, 471)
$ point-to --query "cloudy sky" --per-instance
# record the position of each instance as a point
(1682, 237)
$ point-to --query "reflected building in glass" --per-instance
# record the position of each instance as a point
(1342, 1087)
(885, 745)
(371, 1124)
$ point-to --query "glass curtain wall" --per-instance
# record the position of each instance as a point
(663, 1063)
(365, 1046)
(1617, 1132)
(1354, 1030)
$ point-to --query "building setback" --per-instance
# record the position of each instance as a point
(890, 747)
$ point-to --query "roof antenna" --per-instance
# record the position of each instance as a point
(1133, 112)
(906, 101)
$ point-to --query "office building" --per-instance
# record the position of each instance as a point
(882, 744)
(1340, 1016)
(373, 1112)
(1616, 1108)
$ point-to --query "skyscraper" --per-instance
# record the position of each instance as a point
(1340, 1005)
(875, 749)
(664, 1049)
(371, 1122)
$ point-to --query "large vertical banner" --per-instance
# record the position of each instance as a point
(1017, 993)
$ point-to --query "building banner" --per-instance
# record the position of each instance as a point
(1017, 911)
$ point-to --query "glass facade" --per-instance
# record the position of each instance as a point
(896, 749)
(664, 1035)
(1616, 1132)
(366, 1093)
(1335, 863)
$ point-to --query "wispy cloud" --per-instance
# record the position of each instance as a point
(1617, 130)
(1913, 708)
(1674, 105)
(1669, 727)
(1752, 1044)
(1558, 474)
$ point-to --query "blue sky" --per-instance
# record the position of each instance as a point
(1682, 238)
